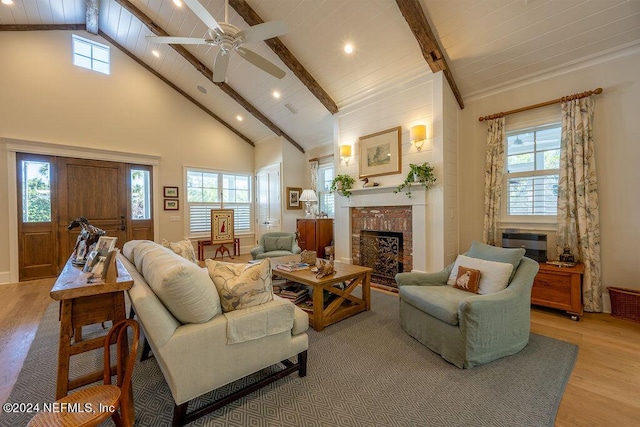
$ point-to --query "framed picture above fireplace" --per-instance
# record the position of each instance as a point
(380, 153)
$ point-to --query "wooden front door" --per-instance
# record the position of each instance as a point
(113, 196)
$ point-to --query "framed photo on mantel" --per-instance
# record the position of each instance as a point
(380, 153)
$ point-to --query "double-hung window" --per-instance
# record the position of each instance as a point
(531, 176)
(325, 198)
(208, 190)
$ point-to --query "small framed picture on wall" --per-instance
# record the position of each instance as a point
(171, 205)
(171, 192)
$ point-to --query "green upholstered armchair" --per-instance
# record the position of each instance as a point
(276, 243)
(468, 329)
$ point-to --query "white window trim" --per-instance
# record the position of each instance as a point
(187, 217)
(537, 222)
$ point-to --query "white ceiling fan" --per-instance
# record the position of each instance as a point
(230, 38)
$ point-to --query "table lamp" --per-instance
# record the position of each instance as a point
(307, 197)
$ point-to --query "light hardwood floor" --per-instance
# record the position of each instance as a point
(604, 388)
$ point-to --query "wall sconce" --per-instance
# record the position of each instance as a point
(418, 134)
(345, 153)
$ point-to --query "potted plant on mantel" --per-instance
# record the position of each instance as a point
(341, 184)
(422, 174)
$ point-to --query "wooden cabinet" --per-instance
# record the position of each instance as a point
(315, 234)
(559, 287)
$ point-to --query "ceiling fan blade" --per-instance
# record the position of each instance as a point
(203, 14)
(176, 40)
(220, 65)
(261, 62)
(264, 31)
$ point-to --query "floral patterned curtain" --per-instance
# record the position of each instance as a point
(494, 168)
(578, 217)
(314, 176)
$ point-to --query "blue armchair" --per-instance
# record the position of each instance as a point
(468, 329)
(276, 244)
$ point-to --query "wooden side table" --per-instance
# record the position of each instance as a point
(559, 287)
(82, 303)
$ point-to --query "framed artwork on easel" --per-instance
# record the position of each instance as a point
(222, 226)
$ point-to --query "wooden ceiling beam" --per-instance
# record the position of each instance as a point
(207, 72)
(92, 15)
(431, 51)
(252, 18)
(174, 87)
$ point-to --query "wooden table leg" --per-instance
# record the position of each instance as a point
(318, 308)
(366, 291)
(64, 349)
(221, 250)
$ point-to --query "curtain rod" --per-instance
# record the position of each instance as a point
(543, 104)
(315, 159)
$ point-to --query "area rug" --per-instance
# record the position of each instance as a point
(363, 371)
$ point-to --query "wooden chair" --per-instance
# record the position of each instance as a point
(89, 404)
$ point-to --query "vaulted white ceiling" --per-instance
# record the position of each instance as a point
(487, 43)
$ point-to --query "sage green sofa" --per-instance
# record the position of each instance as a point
(468, 329)
(274, 244)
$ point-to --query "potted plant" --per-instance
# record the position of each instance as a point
(422, 174)
(341, 184)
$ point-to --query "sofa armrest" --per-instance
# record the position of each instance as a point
(422, 279)
(257, 251)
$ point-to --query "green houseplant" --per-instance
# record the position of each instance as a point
(341, 184)
(422, 174)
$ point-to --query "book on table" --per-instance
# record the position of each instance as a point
(294, 293)
(291, 266)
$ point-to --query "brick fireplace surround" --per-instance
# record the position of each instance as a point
(383, 218)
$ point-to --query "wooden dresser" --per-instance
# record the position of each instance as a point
(559, 287)
(315, 234)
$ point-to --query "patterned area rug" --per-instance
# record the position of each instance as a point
(363, 371)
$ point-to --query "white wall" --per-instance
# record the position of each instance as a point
(617, 148)
(419, 100)
(44, 98)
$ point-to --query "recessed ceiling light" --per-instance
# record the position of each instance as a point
(239, 118)
(177, 3)
(155, 53)
(276, 94)
(202, 89)
(348, 48)
(7, 1)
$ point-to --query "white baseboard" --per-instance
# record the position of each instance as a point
(5, 277)
(606, 303)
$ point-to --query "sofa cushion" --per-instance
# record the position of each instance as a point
(280, 243)
(241, 285)
(468, 279)
(183, 287)
(494, 253)
(184, 248)
(440, 302)
(494, 276)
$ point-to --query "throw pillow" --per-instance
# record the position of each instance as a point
(494, 253)
(184, 248)
(241, 285)
(494, 276)
(468, 279)
(282, 243)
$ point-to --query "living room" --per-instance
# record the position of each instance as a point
(51, 107)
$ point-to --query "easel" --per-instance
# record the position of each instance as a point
(221, 250)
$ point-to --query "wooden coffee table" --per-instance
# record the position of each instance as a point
(345, 303)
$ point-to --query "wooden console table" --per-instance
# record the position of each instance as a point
(203, 243)
(559, 287)
(85, 302)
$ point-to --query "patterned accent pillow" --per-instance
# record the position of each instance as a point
(241, 285)
(468, 279)
(184, 248)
